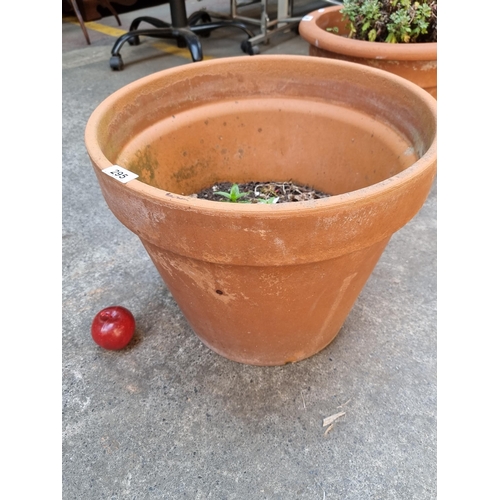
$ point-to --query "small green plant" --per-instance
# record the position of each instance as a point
(391, 21)
(269, 200)
(234, 195)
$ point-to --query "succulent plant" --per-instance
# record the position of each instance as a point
(392, 21)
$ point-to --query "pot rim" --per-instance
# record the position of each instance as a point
(183, 202)
(311, 30)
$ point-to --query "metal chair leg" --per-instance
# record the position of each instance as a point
(108, 5)
(80, 20)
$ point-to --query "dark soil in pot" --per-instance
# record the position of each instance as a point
(261, 192)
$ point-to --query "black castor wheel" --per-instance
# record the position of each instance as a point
(247, 48)
(134, 40)
(116, 63)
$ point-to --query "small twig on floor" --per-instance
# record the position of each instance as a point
(348, 401)
(303, 400)
(329, 428)
(329, 420)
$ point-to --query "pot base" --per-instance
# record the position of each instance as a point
(262, 329)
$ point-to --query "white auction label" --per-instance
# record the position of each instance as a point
(120, 174)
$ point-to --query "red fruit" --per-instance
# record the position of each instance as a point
(113, 327)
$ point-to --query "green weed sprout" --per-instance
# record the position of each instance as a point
(234, 194)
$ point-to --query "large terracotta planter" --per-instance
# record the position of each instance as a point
(266, 284)
(416, 62)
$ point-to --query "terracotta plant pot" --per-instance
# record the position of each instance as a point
(416, 62)
(266, 284)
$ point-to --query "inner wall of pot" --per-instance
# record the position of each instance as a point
(333, 19)
(325, 145)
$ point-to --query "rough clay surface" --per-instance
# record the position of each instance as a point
(168, 418)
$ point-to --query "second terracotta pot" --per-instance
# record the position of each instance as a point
(266, 284)
(416, 62)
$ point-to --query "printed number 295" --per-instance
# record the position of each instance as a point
(119, 174)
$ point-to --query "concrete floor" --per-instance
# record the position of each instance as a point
(167, 418)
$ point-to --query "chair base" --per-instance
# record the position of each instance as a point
(198, 23)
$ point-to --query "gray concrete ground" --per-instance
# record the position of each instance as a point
(167, 418)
